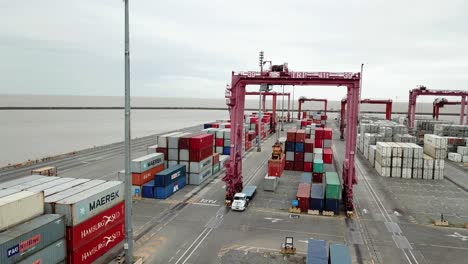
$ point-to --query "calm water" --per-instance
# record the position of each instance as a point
(35, 134)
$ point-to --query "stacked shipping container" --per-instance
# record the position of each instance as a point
(143, 170)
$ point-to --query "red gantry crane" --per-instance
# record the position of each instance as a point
(440, 103)
(274, 101)
(280, 75)
(422, 90)
(388, 110)
(303, 99)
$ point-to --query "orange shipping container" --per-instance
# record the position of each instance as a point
(146, 176)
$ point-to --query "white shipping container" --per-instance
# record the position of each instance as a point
(65, 186)
(173, 141)
(219, 133)
(435, 141)
(318, 151)
(19, 207)
(8, 184)
(29, 184)
(462, 150)
(172, 154)
(82, 206)
(162, 140)
(455, 157)
(289, 156)
(198, 178)
(172, 163)
(197, 167)
(184, 154)
(147, 162)
(6, 192)
(437, 153)
(47, 185)
(152, 149)
(308, 157)
(219, 150)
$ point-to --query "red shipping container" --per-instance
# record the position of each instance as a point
(98, 246)
(289, 165)
(220, 142)
(318, 142)
(184, 142)
(79, 235)
(275, 168)
(327, 133)
(201, 141)
(146, 176)
(319, 133)
(317, 177)
(215, 158)
(308, 166)
(253, 120)
(298, 156)
(303, 123)
(291, 135)
(200, 154)
(307, 136)
(163, 151)
(323, 117)
(299, 165)
(327, 156)
(300, 135)
(303, 196)
(309, 146)
(228, 125)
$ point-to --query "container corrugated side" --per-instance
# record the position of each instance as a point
(65, 186)
(164, 192)
(98, 246)
(54, 253)
(339, 254)
(147, 162)
(21, 180)
(6, 192)
(20, 207)
(79, 235)
(29, 184)
(49, 201)
(316, 251)
(198, 178)
(50, 184)
(197, 167)
(25, 239)
(169, 175)
(82, 206)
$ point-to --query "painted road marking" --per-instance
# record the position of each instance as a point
(206, 204)
(273, 220)
(457, 235)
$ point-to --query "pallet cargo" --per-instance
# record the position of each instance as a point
(19, 207)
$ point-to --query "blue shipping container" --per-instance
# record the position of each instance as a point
(164, 192)
(147, 190)
(290, 146)
(306, 177)
(205, 126)
(299, 147)
(227, 151)
(316, 197)
(332, 205)
(317, 251)
(169, 175)
(339, 254)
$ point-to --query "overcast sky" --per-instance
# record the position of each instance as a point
(189, 48)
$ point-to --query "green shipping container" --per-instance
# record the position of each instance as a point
(318, 165)
(216, 168)
(332, 185)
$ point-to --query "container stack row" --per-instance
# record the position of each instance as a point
(461, 155)
(319, 195)
(56, 220)
(397, 160)
(435, 150)
(315, 119)
(317, 253)
(143, 170)
(222, 140)
(165, 183)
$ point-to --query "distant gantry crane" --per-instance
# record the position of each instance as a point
(440, 103)
(422, 90)
(274, 101)
(303, 99)
(388, 110)
(280, 75)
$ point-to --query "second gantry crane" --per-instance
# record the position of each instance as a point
(303, 99)
(440, 103)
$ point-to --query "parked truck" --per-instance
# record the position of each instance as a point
(242, 199)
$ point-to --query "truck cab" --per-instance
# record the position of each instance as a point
(240, 202)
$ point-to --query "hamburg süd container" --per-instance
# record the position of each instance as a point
(19, 207)
(332, 185)
(53, 253)
(317, 251)
(197, 167)
(164, 192)
(82, 206)
(49, 201)
(48, 185)
(169, 175)
(146, 176)
(95, 248)
(8, 184)
(29, 184)
(339, 254)
(23, 240)
(303, 196)
(147, 162)
(79, 235)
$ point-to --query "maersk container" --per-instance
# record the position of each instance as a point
(8, 184)
(339, 254)
(316, 251)
(54, 253)
(19, 207)
(332, 185)
(98, 246)
(197, 167)
(47, 185)
(316, 197)
(65, 186)
(6, 192)
(147, 190)
(29, 184)
(170, 175)
(164, 192)
(81, 234)
(147, 162)
(25, 239)
(198, 178)
(49, 201)
(306, 177)
(82, 206)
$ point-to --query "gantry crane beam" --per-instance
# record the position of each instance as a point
(280, 75)
(304, 99)
(274, 103)
(388, 110)
(422, 90)
(440, 103)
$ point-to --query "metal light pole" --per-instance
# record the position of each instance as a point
(282, 111)
(292, 112)
(259, 123)
(128, 245)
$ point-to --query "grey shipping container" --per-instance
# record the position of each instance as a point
(65, 186)
(47, 185)
(147, 162)
(29, 184)
(198, 167)
(49, 201)
(25, 239)
(82, 206)
(339, 254)
(198, 178)
(54, 253)
(8, 184)
(6, 192)
(270, 183)
(20, 207)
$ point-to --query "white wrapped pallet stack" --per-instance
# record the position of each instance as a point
(455, 157)
(428, 167)
(417, 163)
(463, 152)
(383, 159)
(372, 150)
(435, 147)
(396, 160)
